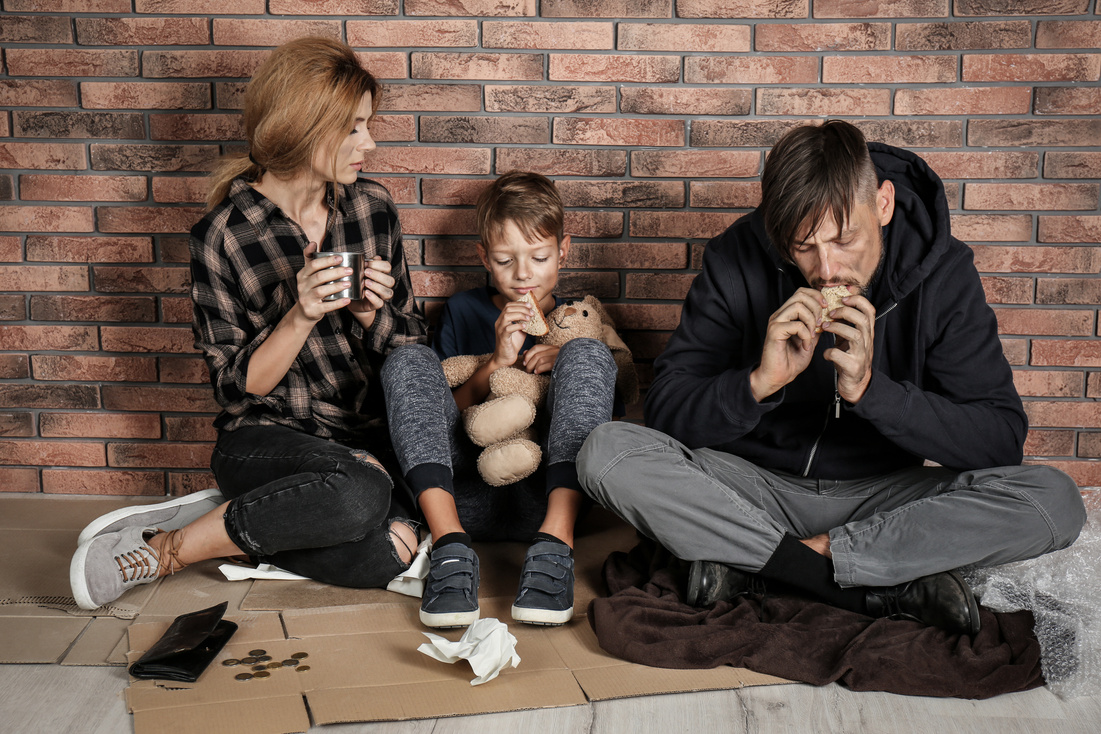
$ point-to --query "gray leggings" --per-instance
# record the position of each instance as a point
(434, 451)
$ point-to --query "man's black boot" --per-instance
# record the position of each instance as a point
(941, 600)
(710, 582)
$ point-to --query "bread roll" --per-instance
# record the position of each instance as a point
(537, 326)
(833, 295)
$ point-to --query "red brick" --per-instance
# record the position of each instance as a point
(618, 131)
(46, 219)
(419, 159)
(176, 190)
(82, 188)
(964, 101)
(1021, 7)
(1070, 229)
(820, 37)
(1079, 291)
(452, 191)
(1093, 386)
(147, 219)
(824, 102)
(35, 29)
(160, 454)
(658, 101)
(1049, 383)
(668, 286)
(594, 224)
(1044, 322)
(698, 37)
(439, 284)
(412, 33)
(19, 480)
(604, 286)
(1063, 413)
(145, 95)
(205, 7)
(200, 63)
(39, 338)
(1068, 34)
(650, 194)
(1089, 445)
(1037, 259)
(455, 253)
(994, 133)
(16, 425)
(741, 9)
(622, 255)
(159, 158)
(267, 32)
(607, 8)
(174, 249)
(11, 248)
(558, 162)
(963, 36)
(690, 225)
(48, 156)
(1068, 101)
(880, 9)
(1049, 443)
(142, 31)
(751, 70)
(446, 222)
(49, 396)
(85, 368)
(432, 97)
(189, 428)
(156, 399)
(615, 68)
(211, 126)
(1031, 67)
(92, 308)
(469, 129)
(183, 483)
(230, 95)
(394, 128)
(1031, 197)
(485, 8)
(1015, 351)
(44, 278)
(695, 163)
(142, 280)
(71, 62)
(1007, 290)
(13, 307)
(67, 124)
(67, 6)
(549, 98)
(548, 35)
(176, 310)
(89, 249)
(445, 65)
(99, 425)
(915, 133)
(53, 453)
(147, 339)
(725, 194)
(183, 369)
(37, 93)
(888, 69)
(113, 483)
(985, 164)
(645, 316)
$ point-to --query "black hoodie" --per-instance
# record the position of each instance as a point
(941, 388)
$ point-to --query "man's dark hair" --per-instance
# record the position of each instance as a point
(813, 171)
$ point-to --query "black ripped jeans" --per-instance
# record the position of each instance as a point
(311, 506)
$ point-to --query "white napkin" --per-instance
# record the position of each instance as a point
(263, 571)
(487, 644)
(411, 581)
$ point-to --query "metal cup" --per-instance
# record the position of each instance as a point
(354, 282)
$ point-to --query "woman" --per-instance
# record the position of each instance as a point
(300, 435)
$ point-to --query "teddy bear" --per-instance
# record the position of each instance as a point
(504, 424)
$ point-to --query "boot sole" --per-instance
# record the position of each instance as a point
(103, 522)
(544, 617)
(448, 620)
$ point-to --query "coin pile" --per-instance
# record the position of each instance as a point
(262, 664)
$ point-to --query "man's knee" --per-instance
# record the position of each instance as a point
(1062, 500)
(607, 444)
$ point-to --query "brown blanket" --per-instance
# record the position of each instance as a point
(644, 620)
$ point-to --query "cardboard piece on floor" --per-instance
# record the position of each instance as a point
(38, 639)
(97, 644)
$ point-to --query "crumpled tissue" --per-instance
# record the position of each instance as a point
(487, 644)
(235, 572)
(411, 581)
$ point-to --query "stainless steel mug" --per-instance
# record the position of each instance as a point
(354, 282)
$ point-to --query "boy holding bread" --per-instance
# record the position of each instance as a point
(520, 222)
(834, 412)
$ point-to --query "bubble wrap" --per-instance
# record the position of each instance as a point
(1062, 590)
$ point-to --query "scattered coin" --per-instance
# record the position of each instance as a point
(264, 658)
(250, 660)
(274, 665)
(290, 663)
(302, 668)
(257, 653)
(259, 667)
(231, 661)
(300, 655)
(243, 676)
(262, 674)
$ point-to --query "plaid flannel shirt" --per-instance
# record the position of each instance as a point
(245, 256)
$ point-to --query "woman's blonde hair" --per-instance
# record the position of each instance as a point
(302, 97)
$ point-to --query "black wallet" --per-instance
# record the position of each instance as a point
(187, 647)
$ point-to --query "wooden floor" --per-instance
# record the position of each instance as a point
(55, 699)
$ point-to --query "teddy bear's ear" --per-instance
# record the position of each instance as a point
(593, 303)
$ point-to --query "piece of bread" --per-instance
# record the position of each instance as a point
(833, 295)
(537, 326)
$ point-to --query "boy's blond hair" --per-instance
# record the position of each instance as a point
(529, 200)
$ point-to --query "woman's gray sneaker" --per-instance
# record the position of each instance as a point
(170, 515)
(110, 564)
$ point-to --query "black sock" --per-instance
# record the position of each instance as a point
(460, 538)
(795, 564)
(548, 537)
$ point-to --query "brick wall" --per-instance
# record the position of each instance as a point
(653, 116)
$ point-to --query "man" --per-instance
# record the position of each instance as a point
(796, 435)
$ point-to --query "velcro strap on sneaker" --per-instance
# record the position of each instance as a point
(537, 566)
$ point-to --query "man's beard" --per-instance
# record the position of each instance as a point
(865, 288)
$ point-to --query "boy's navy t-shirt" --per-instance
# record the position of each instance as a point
(468, 324)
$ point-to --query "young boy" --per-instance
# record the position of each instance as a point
(522, 246)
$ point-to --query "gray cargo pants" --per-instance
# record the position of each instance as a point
(704, 504)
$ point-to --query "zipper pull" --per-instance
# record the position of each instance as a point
(836, 404)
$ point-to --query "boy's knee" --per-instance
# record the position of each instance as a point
(406, 357)
(592, 353)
